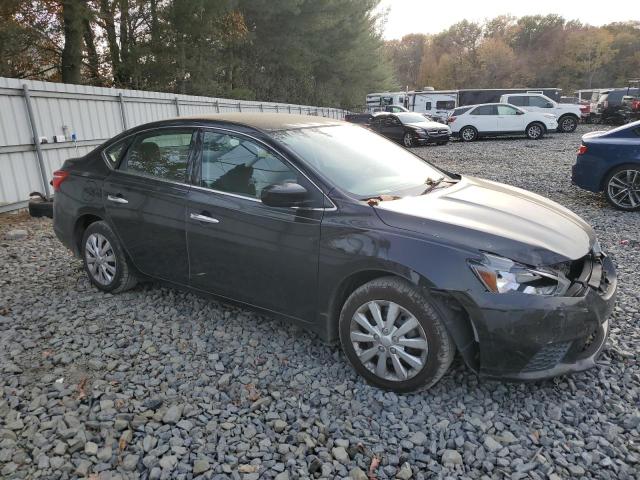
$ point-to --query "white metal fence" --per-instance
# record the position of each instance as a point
(31, 111)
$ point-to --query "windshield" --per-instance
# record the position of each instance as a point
(410, 117)
(360, 162)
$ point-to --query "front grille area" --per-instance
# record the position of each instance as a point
(586, 272)
(548, 357)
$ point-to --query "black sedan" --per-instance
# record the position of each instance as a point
(327, 224)
(410, 128)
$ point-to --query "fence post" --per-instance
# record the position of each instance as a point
(217, 107)
(277, 108)
(36, 140)
(300, 110)
(177, 106)
(289, 107)
(122, 111)
(261, 108)
(239, 107)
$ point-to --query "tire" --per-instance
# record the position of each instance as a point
(407, 140)
(624, 177)
(468, 134)
(434, 348)
(40, 208)
(567, 124)
(115, 275)
(534, 131)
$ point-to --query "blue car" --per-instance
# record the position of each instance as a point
(610, 161)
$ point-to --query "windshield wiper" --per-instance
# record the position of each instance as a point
(432, 184)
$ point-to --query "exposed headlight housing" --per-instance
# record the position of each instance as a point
(502, 275)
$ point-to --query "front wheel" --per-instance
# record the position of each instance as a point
(104, 260)
(535, 131)
(568, 124)
(622, 188)
(394, 337)
(407, 140)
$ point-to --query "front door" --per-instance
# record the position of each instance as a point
(240, 248)
(509, 120)
(392, 128)
(484, 118)
(145, 200)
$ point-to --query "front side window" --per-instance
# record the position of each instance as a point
(485, 110)
(160, 154)
(506, 110)
(234, 164)
(360, 162)
(114, 152)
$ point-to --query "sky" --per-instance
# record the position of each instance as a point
(424, 16)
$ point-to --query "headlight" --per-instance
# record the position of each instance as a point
(501, 275)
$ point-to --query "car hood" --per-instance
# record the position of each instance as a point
(426, 125)
(481, 215)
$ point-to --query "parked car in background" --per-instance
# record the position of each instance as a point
(329, 225)
(609, 162)
(359, 118)
(568, 114)
(611, 107)
(410, 128)
(390, 109)
(496, 119)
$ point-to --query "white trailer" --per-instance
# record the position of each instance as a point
(437, 103)
(377, 101)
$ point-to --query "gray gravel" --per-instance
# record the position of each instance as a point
(156, 383)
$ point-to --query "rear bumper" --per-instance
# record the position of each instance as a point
(531, 337)
(588, 172)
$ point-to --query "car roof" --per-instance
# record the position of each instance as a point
(519, 94)
(266, 121)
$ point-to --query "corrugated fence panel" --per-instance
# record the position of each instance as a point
(94, 114)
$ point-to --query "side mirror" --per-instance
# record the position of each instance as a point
(519, 112)
(549, 105)
(286, 194)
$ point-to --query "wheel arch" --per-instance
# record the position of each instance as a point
(456, 320)
(80, 226)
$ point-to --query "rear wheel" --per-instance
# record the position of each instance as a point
(568, 123)
(535, 131)
(468, 134)
(394, 337)
(622, 188)
(407, 140)
(104, 260)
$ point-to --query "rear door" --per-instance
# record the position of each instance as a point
(509, 120)
(145, 199)
(392, 128)
(484, 118)
(240, 248)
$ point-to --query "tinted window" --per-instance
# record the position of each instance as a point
(519, 101)
(539, 102)
(427, 106)
(237, 165)
(460, 111)
(485, 110)
(391, 122)
(506, 110)
(163, 154)
(445, 104)
(408, 117)
(114, 152)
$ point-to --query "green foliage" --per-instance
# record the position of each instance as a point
(535, 51)
(321, 52)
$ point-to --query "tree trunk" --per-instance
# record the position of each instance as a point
(72, 51)
(92, 54)
(107, 14)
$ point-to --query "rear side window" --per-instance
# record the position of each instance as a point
(234, 164)
(541, 102)
(114, 153)
(519, 101)
(160, 154)
(485, 110)
(445, 105)
(460, 111)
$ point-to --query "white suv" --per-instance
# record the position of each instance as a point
(568, 115)
(494, 119)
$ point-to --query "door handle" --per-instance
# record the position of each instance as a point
(114, 199)
(203, 218)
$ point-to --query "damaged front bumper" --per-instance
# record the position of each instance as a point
(530, 337)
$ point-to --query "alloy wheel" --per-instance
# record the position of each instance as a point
(407, 140)
(624, 189)
(535, 131)
(468, 134)
(388, 340)
(568, 124)
(101, 259)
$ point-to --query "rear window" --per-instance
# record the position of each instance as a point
(114, 153)
(445, 104)
(460, 111)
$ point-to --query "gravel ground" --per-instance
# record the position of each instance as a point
(156, 383)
